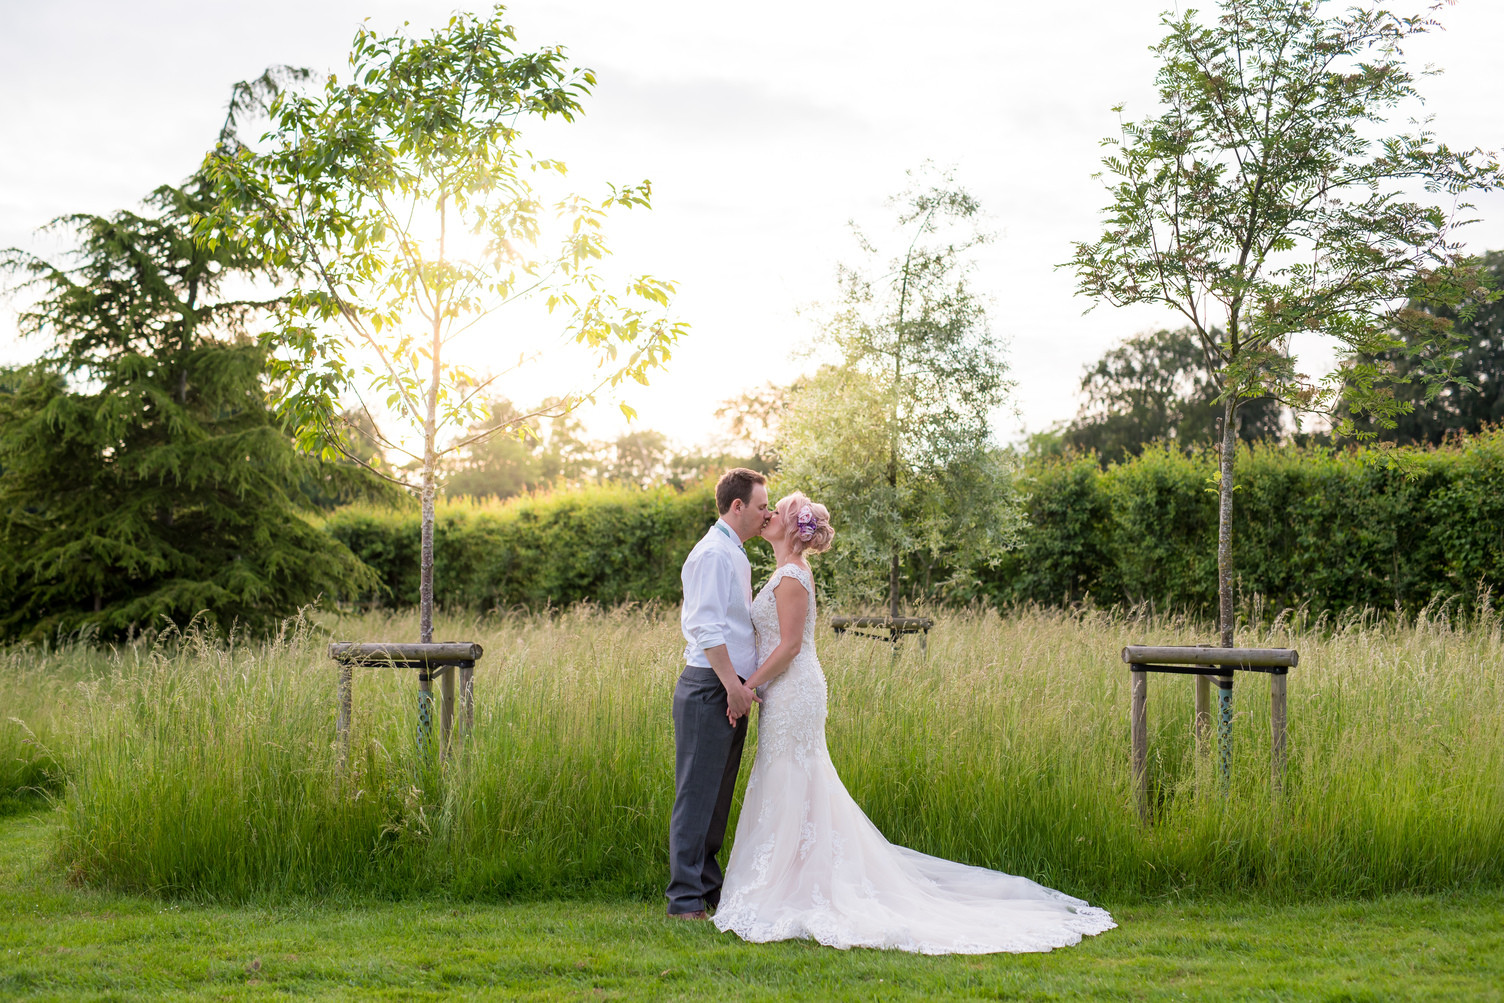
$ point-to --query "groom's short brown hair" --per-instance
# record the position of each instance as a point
(734, 484)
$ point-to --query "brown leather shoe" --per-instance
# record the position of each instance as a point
(697, 914)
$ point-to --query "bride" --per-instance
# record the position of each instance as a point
(806, 861)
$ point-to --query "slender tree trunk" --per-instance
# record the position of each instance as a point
(1224, 519)
(430, 462)
(893, 430)
(893, 484)
(893, 585)
(893, 456)
(425, 573)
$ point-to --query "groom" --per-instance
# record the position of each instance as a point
(719, 655)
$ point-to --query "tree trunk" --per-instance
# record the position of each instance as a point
(430, 463)
(1224, 518)
(893, 479)
(894, 415)
(430, 454)
(893, 585)
(893, 554)
(430, 478)
(425, 569)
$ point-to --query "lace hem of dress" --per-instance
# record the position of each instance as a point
(830, 930)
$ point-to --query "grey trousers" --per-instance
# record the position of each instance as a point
(707, 756)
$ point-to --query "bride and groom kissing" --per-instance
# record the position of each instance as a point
(806, 861)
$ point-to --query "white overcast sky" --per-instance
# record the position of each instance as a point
(764, 128)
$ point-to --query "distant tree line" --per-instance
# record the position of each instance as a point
(555, 452)
(1152, 389)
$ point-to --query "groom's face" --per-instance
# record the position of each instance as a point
(748, 518)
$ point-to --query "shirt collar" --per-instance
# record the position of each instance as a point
(720, 524)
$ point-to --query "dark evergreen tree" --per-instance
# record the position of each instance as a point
(142, 474)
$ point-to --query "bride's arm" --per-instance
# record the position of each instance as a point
(793, 607)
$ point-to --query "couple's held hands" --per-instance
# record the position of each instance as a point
(739, 696)
(739, 700)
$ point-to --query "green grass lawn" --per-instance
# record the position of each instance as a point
(57, 942)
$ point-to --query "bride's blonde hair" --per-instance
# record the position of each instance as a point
(807, 523)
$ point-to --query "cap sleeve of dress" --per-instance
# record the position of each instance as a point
(795, 572)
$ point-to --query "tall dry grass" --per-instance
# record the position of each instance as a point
(37, 703)
(208, 768)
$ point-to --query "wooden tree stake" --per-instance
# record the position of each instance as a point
(1202, 725)
(1277, 686)
(342, 715)
(1138, 727)
(467, 700)
(446, 709)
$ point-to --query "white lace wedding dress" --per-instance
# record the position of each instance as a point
(807, 862)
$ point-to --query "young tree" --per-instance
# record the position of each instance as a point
(403, 204)
(1258, 205)
(897, 437)
(141, 473)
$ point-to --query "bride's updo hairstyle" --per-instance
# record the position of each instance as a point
(807, 522)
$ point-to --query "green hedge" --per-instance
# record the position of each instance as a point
(603, 544)
(1332, 529)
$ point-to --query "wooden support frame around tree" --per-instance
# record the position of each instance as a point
(886, 628)
(438, 659)
(1206, 663)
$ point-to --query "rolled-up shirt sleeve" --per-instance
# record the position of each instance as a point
(708, 582)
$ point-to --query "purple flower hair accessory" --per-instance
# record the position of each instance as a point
(807, 524)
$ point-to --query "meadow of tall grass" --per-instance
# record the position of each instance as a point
(207, 767)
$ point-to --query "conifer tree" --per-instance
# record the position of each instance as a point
(142, 474)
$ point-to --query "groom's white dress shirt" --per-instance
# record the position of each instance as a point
(717, 610)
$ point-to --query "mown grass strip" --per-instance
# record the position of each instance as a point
(65, 943)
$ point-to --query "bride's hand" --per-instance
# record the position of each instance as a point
(739, 701)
